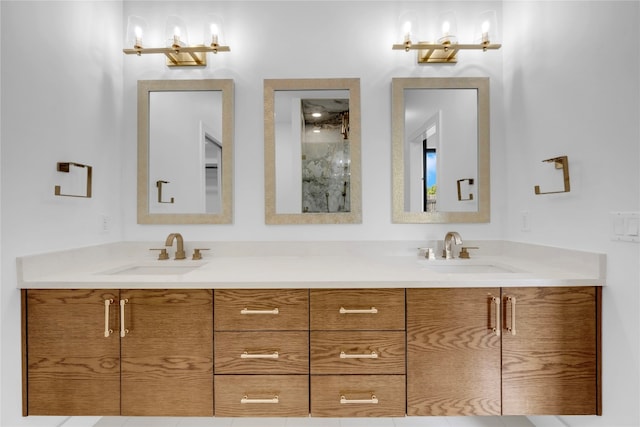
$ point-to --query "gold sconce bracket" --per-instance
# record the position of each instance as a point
(561, 162)
(159, 185)
(179, 56)
(442, 53)
(471, 181)
(65, 167)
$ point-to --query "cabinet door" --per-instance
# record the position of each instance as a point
(167, 353)
(550, 365)
(73, 365)
(453, 352)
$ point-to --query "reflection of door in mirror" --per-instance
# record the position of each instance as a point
(440, 124)
(212, 160)
(312, 151)
(182, 126)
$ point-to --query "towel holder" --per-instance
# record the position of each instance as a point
(460, 192)
(66, 167)
(561, 162)
(159, 185)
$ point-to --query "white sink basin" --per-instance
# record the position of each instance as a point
(463, 267)
(159, 268)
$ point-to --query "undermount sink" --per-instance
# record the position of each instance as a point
(463, 267)
(160, 268)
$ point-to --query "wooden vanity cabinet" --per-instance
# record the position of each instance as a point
(357, 352)
(545, 360)
(261, 352)
(110, 352)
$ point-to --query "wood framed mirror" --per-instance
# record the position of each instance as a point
(312, 151)
(185, 151)
(440, 150)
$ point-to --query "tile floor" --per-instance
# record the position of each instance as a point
(315, 422)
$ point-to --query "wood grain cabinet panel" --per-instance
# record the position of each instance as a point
(550, 365)
(262, 396)
(357, 309)
(453, 354)
(261, 309)
(281, 352)
(167, 353)
(358, 395)
(357, 352)
(71, 367)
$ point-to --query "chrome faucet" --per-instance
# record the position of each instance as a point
(179, 245)
(449, 239)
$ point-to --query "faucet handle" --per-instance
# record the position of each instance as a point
(196, 253)
(163, 253)
(464, 253)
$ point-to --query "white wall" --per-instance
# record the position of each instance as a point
(569, 91)
(81, 89)
(61, 101)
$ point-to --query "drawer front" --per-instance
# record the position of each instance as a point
(357, 309)
(262, 353)
(261, 310)
(262, 395)
(362, 352)
(358, 395)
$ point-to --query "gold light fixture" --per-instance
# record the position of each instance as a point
(446, 47)
(177, 49)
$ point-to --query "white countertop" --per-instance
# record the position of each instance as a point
(360, 264)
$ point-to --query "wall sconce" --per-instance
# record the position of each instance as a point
(446, 48)
(177, 49)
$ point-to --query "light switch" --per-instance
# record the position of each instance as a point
(625, 226)
(632, 226)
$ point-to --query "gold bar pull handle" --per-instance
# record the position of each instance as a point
(107, 330)
(498, 327)
(344, 400)
(247, 355)
(561, 162)
(123, 331)
(372, 355)
(66, 168)
(371, 310)
(247, 311)
(471, 181)
(245, 399)
(512, 327)
(159, 185)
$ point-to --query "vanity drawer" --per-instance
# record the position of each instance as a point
(262, 395)
(358, 395)
(262, 353)
(357, 309)
(261, 310)
(361, 352)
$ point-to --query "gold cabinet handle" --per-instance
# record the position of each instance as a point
(371, 310)
(247, 355)
(512, 327)
(247, 311)
(344, 400)
(107, 330)
(245, 399)
(123, 330)
(372, 355)
(498, 327)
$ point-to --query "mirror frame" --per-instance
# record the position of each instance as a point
(270, 88)
(144, 88)
(481, 84)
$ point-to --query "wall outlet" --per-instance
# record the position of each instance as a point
(625, 226)
(105, 222)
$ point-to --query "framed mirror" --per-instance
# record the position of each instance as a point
(440, 150)
(185, 151)
(312, 151)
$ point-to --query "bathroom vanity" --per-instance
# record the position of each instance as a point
(282, 329)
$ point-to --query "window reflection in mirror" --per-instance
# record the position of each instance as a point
(312, 151)
(185, 151)
(440, 150)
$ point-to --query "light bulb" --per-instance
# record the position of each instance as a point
(213, 29)
(485, 31)
(138, 33)
(446, 26)
(406, 30)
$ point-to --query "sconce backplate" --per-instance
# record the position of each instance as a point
(186, 59)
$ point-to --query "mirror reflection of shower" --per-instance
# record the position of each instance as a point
(422, 159)
(326, 171)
